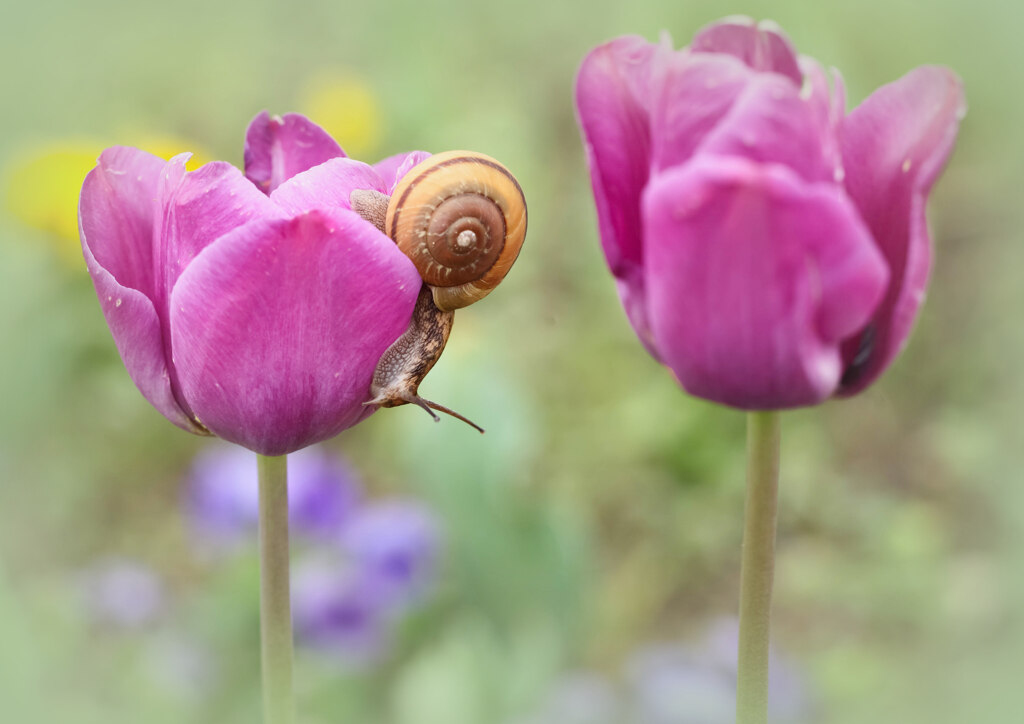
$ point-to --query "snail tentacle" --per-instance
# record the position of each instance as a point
(404, 364)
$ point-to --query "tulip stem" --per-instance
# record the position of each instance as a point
(758, 566)
(275, 601)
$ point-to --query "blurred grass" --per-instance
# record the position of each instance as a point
(603, 507)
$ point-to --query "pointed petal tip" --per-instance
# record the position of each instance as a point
(278, 147)
(763, 46)
(612, 107)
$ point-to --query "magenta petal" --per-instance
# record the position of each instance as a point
(895, 144)
(611, 102)
(116, 213)
(827, 107)
(762, 46)
(195, 209)
(277, 148)
(278, 326)
(393, 168)
(691, 93)
(632, 292)
(714, 103)
(754, 277)
(770, 123)
(135, 327)
(198, 207)
(326, 186)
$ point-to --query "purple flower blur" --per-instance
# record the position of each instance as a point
(769, 248)
(697, 683)
(256, 306)
(361, 566)
(397, 543)
(347, 600)
(340, 611)
(122, 593)
(671, 683)
(222, 496)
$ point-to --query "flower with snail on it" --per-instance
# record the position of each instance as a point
(769, 248)
(251, 306)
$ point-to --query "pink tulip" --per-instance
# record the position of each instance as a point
(769, 248)
(254, 307)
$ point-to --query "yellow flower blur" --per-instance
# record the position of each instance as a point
(42, 192)
(42, 186)
(344, 106)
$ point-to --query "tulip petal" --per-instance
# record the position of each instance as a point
(763, 46)
(769, 122)
(690, 94)
(393, 168)
(754, 278)
(714, 103)
(827, 107)
(194, 210)
(613, 114)
(278, 326)
(116, 213)
(278, 147)
(326, 186)
(895, 144)
(612, 90)
(199, 207)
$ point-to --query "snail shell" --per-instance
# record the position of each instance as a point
(461, 218)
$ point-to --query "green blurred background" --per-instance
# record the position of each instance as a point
(603, 508)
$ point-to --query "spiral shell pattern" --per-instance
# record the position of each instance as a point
(461, 217)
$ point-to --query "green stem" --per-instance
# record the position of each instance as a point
(758, 568)
(275, 600)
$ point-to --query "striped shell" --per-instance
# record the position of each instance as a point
(461, 218)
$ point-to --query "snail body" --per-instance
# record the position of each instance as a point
(461, 218)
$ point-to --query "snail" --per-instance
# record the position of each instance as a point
(461, 218)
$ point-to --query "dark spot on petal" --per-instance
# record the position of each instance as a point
(859, 364)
